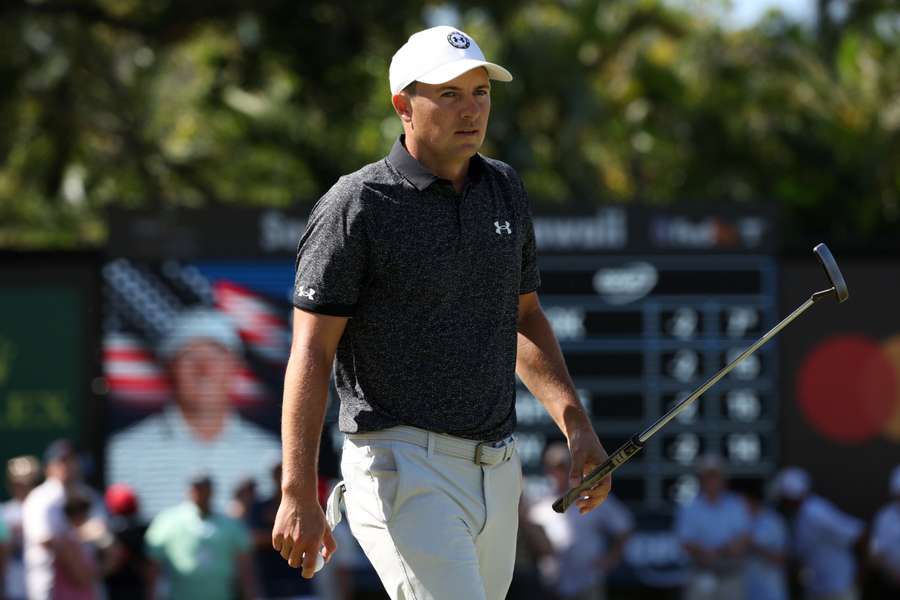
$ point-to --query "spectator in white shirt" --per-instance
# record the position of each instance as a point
(714, 531)
(884, 546)
(43, 522)
(823, 539)
(22, 474)
(200, 429)
(585, 546)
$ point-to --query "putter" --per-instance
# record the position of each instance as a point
(838, 290)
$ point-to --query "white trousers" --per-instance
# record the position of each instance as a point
(434, 526)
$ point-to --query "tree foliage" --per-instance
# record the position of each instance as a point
(212, 103)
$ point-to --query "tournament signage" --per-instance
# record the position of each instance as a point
(48, 350)
(647, 303)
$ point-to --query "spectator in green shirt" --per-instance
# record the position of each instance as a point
(200, 553)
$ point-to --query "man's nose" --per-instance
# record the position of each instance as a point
(471, 109)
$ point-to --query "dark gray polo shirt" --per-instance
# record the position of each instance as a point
(431, 280)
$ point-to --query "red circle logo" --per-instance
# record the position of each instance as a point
(847, 389)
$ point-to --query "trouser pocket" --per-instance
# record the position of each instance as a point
(371, 478)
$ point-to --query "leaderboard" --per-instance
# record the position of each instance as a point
(647, 305)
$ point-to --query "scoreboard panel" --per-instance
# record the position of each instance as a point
(644, 318)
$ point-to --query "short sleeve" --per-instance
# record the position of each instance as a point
(842, 528)
(156, 537)
(332, 254)
(42, 520)
(530, 279)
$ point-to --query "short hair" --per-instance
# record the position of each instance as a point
(76, 505)
(411, 89)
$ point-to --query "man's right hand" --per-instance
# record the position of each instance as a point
(300, 531)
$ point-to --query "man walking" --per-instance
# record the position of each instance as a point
(417, 278)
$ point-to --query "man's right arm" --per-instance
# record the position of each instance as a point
(300, 526)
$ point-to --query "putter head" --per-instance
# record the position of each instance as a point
(833, 272)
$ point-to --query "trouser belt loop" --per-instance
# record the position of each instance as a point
(432, 440)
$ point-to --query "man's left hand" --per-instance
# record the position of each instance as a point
(588, 454)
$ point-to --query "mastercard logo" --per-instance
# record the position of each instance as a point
(848, 388)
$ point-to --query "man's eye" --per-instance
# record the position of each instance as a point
(448, 94)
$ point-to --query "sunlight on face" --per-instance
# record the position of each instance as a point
(202, 372)
(449, 120)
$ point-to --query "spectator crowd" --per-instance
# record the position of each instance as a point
(62, 540)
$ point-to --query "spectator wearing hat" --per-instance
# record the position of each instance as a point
(44, 523)
(767, 548)
(126, 578)
(884, 546)
(197, 551)
(823, 538)
(200, 428)
(22, 474)
(714, 531)
(585, 546)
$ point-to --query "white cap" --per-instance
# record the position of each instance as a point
(895, 481)
(792, 483)
(199, 324)
(437, 55)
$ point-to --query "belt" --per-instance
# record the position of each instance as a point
(485, 454)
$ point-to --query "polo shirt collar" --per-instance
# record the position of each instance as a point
(417, 173)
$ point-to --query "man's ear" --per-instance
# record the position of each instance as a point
(402, 106)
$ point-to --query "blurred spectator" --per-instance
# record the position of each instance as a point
(714, 530)
(200, 429)
(533, 548)
(126, 578)
(277, 578)
(585, 547)
(884, 547)
(764, 576)
(5, 537)
(22, 474)
(76, 572)
(243, 499)
(199, 552)
(43, 520)
(823, 539)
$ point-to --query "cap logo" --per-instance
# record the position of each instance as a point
(458, 40)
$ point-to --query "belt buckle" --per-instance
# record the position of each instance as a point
(478, 448)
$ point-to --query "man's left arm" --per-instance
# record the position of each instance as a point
(541, 367)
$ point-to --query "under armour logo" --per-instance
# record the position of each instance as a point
(306, 292)
(503, 228)
(458, 40)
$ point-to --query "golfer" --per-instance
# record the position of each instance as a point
(417, 278)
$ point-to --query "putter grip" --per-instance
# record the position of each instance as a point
(615, 460)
